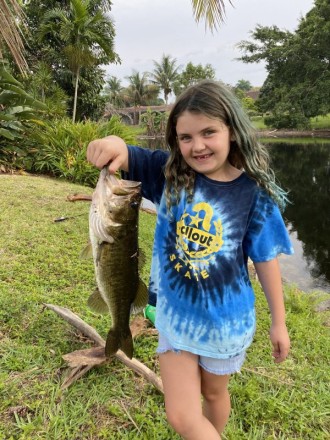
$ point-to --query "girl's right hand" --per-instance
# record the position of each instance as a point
(112, 150)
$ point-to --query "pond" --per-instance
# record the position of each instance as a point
(304, 170)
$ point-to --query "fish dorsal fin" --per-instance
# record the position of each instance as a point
(141, 299)
(97, 303)
(87, 252)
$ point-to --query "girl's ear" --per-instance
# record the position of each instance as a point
(232, 136)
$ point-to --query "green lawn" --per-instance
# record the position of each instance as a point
(319, 122)
(40, 263)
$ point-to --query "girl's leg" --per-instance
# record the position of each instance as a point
(181, 377)
(216, 405)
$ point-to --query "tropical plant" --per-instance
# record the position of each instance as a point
(212, 11)
(243, 84)
(165, 74)
(64, 144)
(113, 91)
(86, 37)
(18, 110)
(140, 92)
(41, 85)
(10, 18)
(154, 122)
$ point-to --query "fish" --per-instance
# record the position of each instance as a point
(113, 234)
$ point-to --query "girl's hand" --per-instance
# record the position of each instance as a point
(112, 150)
(281, 342)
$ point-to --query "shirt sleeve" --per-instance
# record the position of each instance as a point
(147, 166)
(266, 235)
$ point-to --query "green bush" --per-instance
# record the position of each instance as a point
(59, 148)
(154, 122)
(19, 112)
(292, 120)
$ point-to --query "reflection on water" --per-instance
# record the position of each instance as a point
(304, 170)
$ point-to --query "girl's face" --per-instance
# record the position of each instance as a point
(204, 144)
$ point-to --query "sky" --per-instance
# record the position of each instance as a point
(147, 29)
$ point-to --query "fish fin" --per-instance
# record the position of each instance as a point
(87, 252)
(142, 258)
(116, 341)
(97, 303)
(141, 299)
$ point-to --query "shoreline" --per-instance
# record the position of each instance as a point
(265, 133)
(324, 133)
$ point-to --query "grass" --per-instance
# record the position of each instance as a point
(317, 123)
(40, 263)
(321, 122)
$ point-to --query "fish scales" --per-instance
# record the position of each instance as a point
(113, 225)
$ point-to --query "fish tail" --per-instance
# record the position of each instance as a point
(119, 340)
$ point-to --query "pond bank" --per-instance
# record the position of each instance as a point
(294, 133)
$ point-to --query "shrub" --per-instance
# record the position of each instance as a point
(59, 148)
(154, 122)
(291, 120)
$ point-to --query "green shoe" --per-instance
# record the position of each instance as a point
(150, 313)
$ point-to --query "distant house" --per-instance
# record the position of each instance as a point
(254, 94)
(131, 115)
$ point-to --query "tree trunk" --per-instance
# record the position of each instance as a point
(75, 96)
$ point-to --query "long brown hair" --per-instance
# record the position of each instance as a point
(215, 100)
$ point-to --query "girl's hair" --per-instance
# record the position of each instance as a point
(216, 101)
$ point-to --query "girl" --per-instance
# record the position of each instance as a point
(217, 204)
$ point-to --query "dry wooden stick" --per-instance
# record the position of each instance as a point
(92, 334)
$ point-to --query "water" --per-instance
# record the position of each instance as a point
(304, 170)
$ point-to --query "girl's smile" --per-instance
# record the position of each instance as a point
(205, 144)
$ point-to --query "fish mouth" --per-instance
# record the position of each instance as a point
(119, 187)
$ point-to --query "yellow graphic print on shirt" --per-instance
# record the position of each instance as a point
(198, 239)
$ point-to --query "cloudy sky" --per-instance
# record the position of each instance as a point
(147, 29)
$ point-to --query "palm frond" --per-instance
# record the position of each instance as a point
(10, 17)
(212, 11)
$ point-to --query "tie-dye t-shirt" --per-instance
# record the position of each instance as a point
(199, 275)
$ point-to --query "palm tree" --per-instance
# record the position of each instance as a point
(86, 37)
(10, 17)
(114, 91)
(140, 91)
(165, 74)
(212, 11)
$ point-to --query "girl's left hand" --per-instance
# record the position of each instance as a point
(280, 339)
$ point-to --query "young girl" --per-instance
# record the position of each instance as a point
(217, 205)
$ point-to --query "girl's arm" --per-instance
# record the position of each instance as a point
(109, 149)
(270, 278)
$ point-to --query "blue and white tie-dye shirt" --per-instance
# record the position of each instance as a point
(199, 275)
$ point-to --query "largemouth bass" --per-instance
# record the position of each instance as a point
(113, 230)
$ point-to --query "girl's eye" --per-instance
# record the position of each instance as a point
(208, 132)
(184, 138)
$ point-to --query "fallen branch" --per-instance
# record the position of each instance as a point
(83, 360)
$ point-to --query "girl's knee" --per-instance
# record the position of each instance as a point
(212, 392)
(181, 422)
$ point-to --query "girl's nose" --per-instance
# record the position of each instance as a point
(198, 145)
